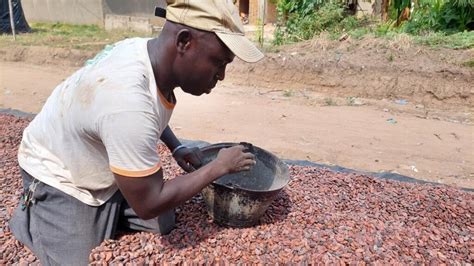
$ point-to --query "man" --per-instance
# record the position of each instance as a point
(89, 159)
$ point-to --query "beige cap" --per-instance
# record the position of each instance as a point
(219, 16)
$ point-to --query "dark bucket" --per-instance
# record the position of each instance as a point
(240, 199)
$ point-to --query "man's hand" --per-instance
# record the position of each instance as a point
(189, 159)
(235, 159)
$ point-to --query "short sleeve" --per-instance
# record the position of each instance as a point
(131, 140)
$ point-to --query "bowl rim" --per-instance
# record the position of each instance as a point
(221, 145)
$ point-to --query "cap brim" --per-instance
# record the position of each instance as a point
(242, 47)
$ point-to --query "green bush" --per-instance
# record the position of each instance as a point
(441, 15)
(456, 16)
(302, 20)
(425, 17)
(432, 22)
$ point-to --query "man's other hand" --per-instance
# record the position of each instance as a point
(189, 159)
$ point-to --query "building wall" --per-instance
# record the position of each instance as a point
(271, 13)
(142, 8)
(68, 11)
(253, 11)
(254, 15)
(97, 11)
(86, 11)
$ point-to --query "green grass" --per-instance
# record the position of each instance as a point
(460, 40)
(84, 37)
(359, 33)
(94, 38)
(288, 93)
(469, 63)
(390, 57)
(328, 101)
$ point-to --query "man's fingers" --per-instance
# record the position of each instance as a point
(240, 147)
(249, 162)
(249, 155)
(190, 168)
(195, 160)
(245, 168)
(186, 167)
(182, 164)
(195, 157)
(246, 165)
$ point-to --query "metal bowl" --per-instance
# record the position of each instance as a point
(240, 199)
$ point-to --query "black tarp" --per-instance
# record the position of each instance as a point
(18, 17)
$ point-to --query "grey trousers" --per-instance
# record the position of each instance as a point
(61, 230)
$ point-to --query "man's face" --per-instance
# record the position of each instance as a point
(203, 65)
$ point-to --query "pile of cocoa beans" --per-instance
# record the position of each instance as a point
(322, 216)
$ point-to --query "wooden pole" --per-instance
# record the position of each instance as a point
(261, 17)
(12, 22)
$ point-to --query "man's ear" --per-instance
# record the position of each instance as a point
(183, 40)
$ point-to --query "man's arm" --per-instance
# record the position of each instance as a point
(149, 196)
(188, 158)
(170, 139)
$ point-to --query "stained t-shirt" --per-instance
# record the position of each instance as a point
(106, 118)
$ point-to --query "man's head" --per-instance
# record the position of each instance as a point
(218, 16)
(200, 58)
(207, 36)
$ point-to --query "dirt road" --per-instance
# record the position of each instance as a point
(363, 134)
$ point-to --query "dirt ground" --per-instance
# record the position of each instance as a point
(372, 105)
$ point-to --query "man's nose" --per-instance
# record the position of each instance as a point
(221, 74)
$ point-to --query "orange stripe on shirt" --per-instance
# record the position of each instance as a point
(140, 173)
(165, 101)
